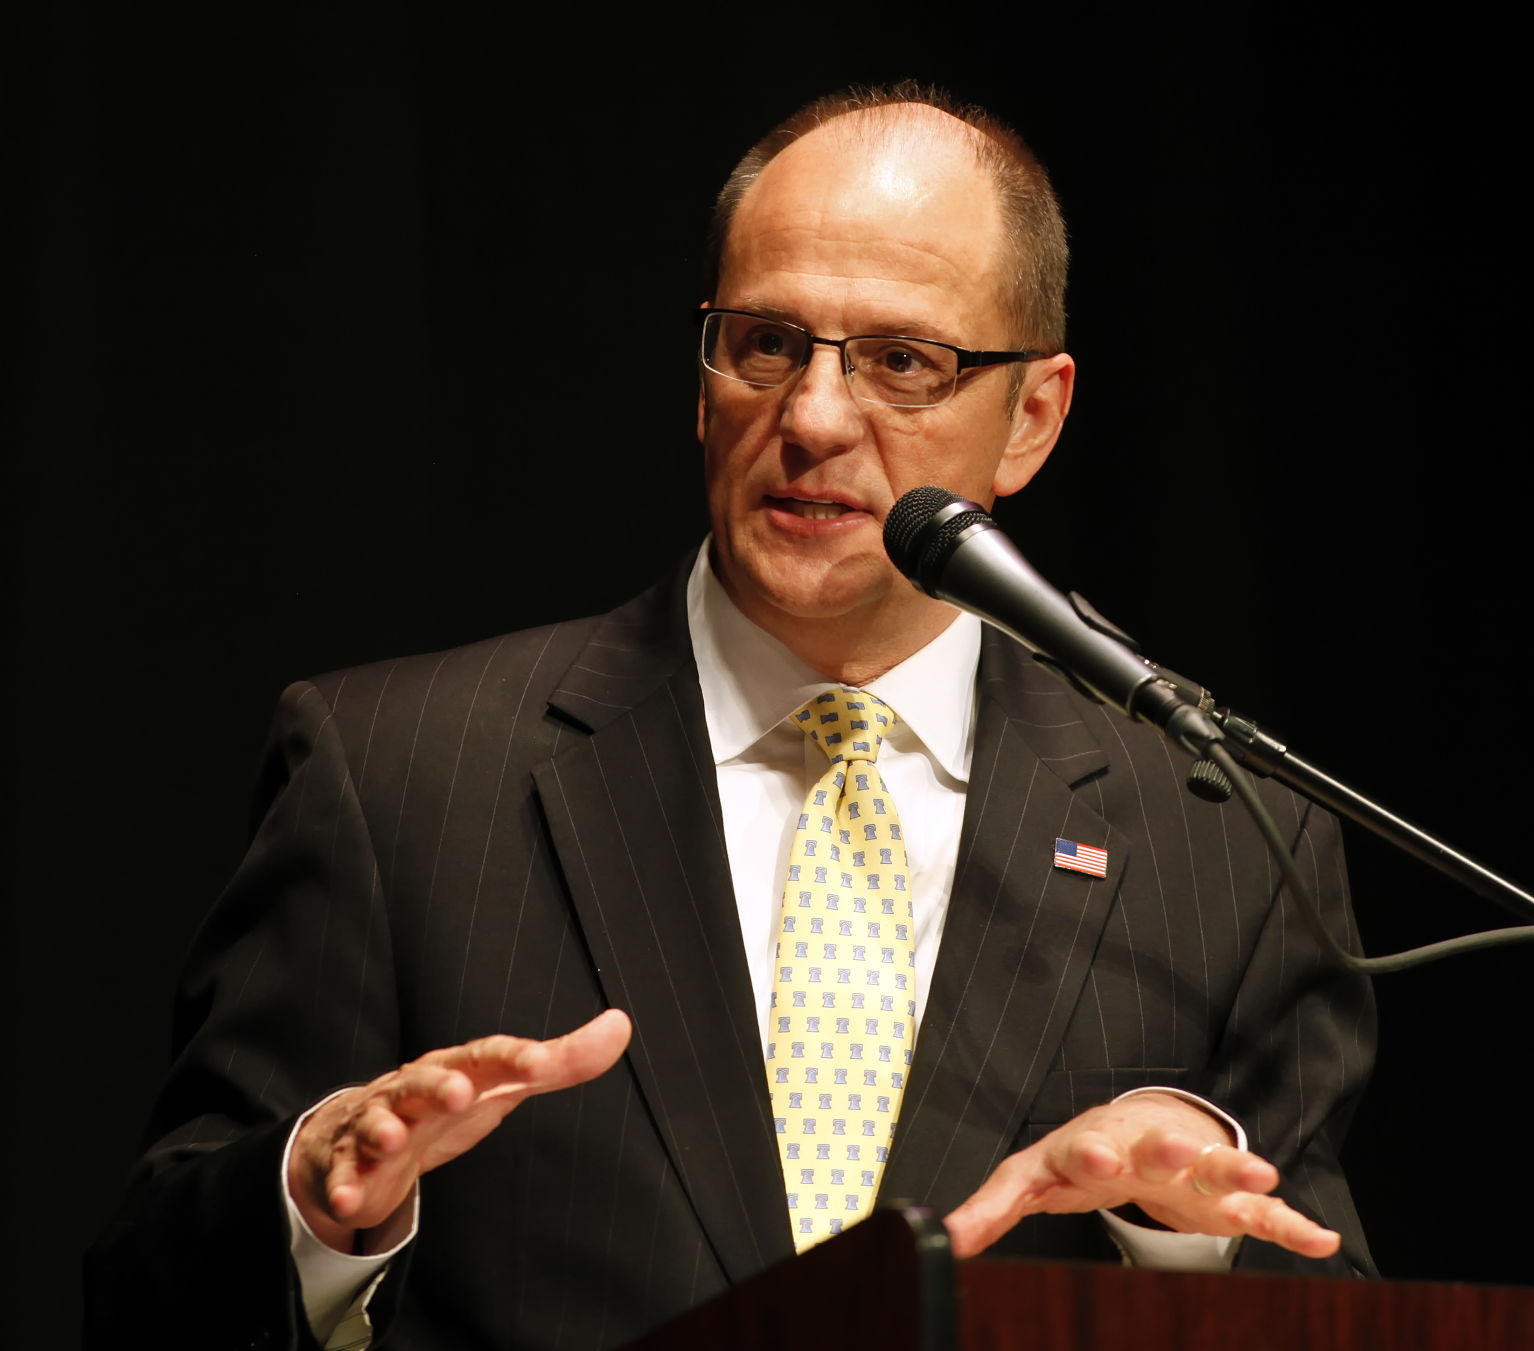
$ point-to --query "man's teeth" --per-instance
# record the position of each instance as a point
(815, 511)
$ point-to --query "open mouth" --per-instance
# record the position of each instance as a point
(812, 509)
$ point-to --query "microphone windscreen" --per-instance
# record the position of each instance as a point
(905, 521)
(916, 542)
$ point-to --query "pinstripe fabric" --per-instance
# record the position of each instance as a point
(1055, 990)
(485, 840)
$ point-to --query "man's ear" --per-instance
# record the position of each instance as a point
(1042, 404)
(702, 406)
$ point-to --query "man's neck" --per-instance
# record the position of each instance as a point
(859, 647)
(751, 681)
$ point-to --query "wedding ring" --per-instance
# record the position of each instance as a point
(1198, 1186)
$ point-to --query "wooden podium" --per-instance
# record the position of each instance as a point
(891, 1284)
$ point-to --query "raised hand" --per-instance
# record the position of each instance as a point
(1163, 1154)
(356, 1160)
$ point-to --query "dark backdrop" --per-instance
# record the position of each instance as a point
(356, 331)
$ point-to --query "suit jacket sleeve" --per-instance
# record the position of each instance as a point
(287, 995)
(408, 888)
(1297, 1046)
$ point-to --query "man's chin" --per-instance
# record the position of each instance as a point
(817, 595)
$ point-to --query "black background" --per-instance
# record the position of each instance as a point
(355, 331)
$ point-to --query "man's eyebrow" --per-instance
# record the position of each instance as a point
(914, 328)
(767, 311)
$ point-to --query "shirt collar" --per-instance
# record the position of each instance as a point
(751, 682)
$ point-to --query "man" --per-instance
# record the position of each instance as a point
(526, 836)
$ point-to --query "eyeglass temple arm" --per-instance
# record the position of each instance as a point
(968, 360)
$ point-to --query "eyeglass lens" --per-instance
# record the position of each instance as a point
(907, 372)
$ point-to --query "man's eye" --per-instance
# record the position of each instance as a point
(897, 359)
(763, 342)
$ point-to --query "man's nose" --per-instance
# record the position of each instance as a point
(819, 410)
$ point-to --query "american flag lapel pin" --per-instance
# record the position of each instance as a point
(1081, 858)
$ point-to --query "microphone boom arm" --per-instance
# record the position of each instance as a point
(1267, 756)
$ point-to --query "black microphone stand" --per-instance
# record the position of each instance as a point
(1265, 755)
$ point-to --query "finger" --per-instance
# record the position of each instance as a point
(1087, 1158)
(381, 1125)
(1221, 1170)
(343, 1187)
(1010, 1193)
(516, 1065)
(1070, 1170)
(1158, 1155)
(371, 1167)
(1268, 1218)
(420, 1090)
(590, 1050)
(375, 1132)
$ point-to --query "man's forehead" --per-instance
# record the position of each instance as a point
(891, 197)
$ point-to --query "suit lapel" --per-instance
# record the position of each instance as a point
(634, 816)
(1018, 938)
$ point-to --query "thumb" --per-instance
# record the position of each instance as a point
(580, 1055)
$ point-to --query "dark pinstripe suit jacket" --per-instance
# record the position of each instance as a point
(515, 835)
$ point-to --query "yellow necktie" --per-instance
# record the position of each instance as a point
(843, 1016)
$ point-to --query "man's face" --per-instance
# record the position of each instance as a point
(845, 238)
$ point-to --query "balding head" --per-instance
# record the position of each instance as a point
(903, 185)
(910, 120)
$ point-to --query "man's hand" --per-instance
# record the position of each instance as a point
(356, 1160)
(1172, 1160)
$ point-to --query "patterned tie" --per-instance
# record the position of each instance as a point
(843, 1000)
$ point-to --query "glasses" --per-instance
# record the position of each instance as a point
(880, 368)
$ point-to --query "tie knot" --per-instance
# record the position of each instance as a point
(847, 724)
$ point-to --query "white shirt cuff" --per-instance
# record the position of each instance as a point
(336, 1286)
(1165, 1249)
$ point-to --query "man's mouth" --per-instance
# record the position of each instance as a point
(812, 509)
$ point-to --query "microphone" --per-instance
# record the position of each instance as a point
(951, 549)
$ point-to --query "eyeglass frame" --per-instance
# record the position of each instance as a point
(969, 358)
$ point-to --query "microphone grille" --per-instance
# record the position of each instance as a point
(919, 535)
(907, 518)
